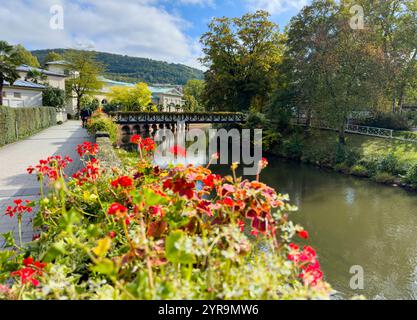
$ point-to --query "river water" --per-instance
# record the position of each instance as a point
(354, 222)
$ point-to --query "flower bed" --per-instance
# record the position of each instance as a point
(151, 233)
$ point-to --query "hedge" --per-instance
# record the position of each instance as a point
(18, 123)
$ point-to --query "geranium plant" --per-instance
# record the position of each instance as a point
(145, 232)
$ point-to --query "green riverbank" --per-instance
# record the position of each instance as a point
(385, 161)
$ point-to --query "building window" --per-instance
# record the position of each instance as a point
(17, 94)
(4, 94)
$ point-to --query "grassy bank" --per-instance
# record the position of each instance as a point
(383, 160)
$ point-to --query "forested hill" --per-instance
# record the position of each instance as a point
(132, 69)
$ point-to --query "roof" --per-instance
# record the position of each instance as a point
(154, 90)
(25, 84)
(26, 68)
(58, 62)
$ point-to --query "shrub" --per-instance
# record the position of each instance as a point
(270, 139)
(101, 122)
(144, 232)
(359, 171)
(18, 123)
(388, 163)
(384, 177)
(293, 147)
(411, 176)
(393, 121)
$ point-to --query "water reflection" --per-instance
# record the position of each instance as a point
(355, 222)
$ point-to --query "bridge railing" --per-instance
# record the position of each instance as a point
(173, 117)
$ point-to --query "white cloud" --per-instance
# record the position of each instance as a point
(203, 3)
(133, 27)
(276, 6)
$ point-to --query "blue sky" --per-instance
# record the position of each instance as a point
(166, 30)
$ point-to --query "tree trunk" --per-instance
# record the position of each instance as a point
(78, 106)
(1, 90)
(342, 134)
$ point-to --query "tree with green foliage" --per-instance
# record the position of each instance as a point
(53, 56)
(9, 61)
(335, 70)
(394, 24)
(241, 55)
(90, 103)
(193, 95)
(36, 76)
(84, 74)
(136, 98)
(53, 97)
(26, 57)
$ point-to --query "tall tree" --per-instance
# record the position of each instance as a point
(53, 56)
(9, 60)
(193, 95)
(337, 69)
(135, 98)
(241, 55)
(84, 74)
(26, 57)
(394, 23)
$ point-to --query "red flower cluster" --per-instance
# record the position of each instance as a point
(87, 148)
(19, 208)
(180, 186)
(119, 211)
(136, 139)
(89, 173)
(147, 144)
(30, 272)
(178, 151)
(124, 182)
(51, 167)
(306, 259)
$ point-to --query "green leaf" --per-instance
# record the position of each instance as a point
(8, 239)
(174, 254)
(105, 266)
(102, 247)
(54, 251)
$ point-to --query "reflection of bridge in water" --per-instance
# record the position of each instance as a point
(137, 122)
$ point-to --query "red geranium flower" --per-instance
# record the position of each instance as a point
(125, 182)
(303, 234)
(136, 139)
(178, 150)
(116, 208)
(19, 208)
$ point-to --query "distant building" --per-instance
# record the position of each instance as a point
(26, 92)
(166, 97)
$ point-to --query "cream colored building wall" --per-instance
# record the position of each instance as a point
(17, 97)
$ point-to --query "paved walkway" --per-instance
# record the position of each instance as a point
(16, 183)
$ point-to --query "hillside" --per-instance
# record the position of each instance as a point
(133, 69)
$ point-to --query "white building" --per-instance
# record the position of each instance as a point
(25, 92)
(22, 94)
